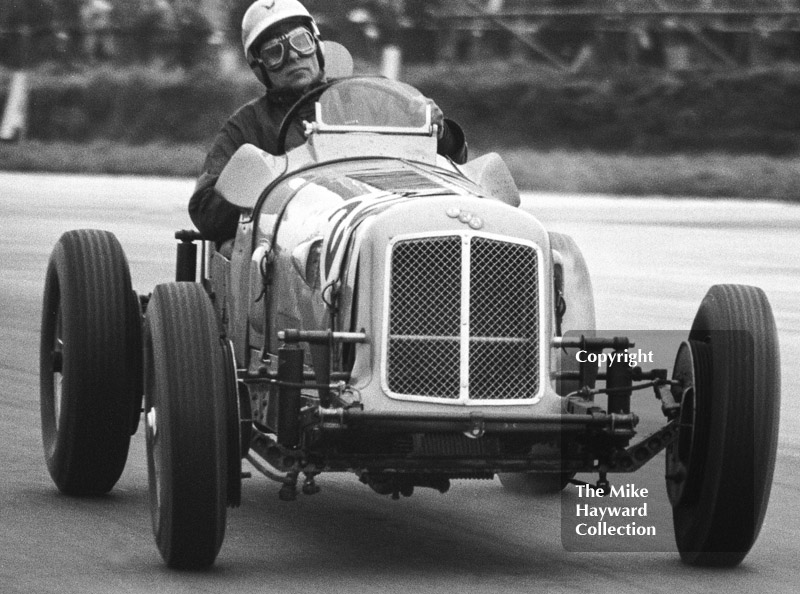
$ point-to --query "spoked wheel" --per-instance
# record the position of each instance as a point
(719, 471)
(90, 357)
(187, 396)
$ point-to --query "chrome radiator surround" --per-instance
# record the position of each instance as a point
(462, 319)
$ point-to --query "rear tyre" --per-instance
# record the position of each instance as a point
(720, 468)
(186, 389)
(88, 362)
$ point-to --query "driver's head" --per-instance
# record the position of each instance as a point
(281, 43)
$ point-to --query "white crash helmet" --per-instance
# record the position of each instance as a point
(264, 14)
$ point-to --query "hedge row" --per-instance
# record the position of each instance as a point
(636, 112)
(133, 106)
(502, 106)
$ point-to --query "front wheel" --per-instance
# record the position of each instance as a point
(187, 391)
(719, 470)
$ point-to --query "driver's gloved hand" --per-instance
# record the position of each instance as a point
(437, 117)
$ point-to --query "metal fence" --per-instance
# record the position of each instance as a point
(669, 33)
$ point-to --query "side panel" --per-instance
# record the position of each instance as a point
(578, 293)
(579, 298)
(296, 299)
(237, 325)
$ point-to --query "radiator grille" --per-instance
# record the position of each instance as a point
(425, 317)
(476, 343)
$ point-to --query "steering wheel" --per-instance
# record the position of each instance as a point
(283, 131)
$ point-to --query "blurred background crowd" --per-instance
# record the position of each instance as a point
(562, 33)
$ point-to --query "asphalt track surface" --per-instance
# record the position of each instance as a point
(651, 261)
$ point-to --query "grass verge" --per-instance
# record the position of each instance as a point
(709, 175)
(103, 157)
(700, 175)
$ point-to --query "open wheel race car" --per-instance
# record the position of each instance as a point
(385, 312)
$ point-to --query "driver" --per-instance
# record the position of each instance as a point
(282, 46)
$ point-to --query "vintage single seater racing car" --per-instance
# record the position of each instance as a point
(385, 312)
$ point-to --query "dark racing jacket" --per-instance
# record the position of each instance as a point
(258, 123)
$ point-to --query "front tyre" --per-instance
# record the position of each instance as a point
(719, 470)
(187, 388)
(88, 363)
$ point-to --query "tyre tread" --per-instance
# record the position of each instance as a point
(89, 277)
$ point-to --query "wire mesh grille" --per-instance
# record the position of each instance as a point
(503, 321)
(425, 347)
(425, 317)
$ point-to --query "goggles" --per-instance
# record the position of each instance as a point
(273, 54)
